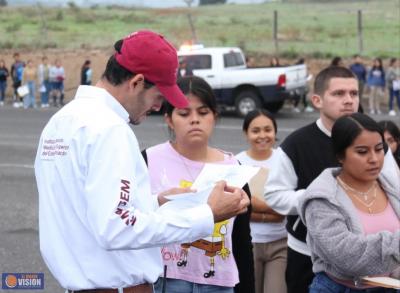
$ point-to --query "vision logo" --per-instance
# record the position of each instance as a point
(15, 281)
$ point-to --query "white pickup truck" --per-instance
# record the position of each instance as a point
(244, 89)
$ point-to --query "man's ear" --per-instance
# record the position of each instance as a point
(137, 82)
(316, 101)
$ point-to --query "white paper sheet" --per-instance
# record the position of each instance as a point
(385, 282)
(234, 175)
(200, 196)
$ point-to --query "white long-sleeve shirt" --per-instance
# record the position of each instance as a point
(56, 73)
(98, 223)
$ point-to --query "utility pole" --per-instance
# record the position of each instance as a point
(43, 28)
(275, 31)
(189, 15)
(359, 32)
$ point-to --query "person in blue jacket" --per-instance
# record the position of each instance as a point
(376, 82)
(360, 71)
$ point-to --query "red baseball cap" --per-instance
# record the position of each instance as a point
(150, 54)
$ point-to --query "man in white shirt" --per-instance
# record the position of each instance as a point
(98, 225)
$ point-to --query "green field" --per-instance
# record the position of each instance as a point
(316, 30)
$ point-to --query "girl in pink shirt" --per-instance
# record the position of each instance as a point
(222, 262)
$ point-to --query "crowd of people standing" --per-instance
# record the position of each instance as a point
(376, 82)
(37, 85)
(326, 215)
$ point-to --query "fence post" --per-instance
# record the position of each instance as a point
(275, 31)
(192, 28)
(359, 32)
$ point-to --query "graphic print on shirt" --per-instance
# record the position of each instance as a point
(213, 245)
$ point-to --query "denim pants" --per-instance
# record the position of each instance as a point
(3, 86)
(394, 94)
(182, 286)
(29, 99)
(323, 284)
(44, 96)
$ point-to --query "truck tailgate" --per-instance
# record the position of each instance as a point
(296, 76)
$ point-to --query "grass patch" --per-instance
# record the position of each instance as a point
(13, 27)
(312, 29)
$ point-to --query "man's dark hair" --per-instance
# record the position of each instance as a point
(347, 128)
(117, 74)
(323, 78)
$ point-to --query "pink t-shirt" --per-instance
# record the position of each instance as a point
(386, 220)
(195, 261)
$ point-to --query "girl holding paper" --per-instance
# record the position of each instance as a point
(352, 213)
(223, 261)
(268, 230)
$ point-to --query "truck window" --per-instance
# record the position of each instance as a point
(232, 59)
(197, 61)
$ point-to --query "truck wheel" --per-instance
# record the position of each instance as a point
(274, 107)
(245, 102)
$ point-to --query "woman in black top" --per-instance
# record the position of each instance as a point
(86, 73)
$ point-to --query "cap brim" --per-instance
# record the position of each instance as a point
(174, 95)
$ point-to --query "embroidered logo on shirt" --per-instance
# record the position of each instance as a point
(52, 148)
(123, 202)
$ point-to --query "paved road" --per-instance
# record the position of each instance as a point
(19, 133)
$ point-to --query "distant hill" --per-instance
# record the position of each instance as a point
(137, 3)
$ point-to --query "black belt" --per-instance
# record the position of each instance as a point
(142, 288)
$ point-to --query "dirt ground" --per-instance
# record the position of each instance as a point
(72, 61)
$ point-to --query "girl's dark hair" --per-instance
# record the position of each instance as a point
(116, 74)
(394, 131)
(277, 64)
(336, 61)
(198, 87)
(392, 61)
(86, 63)
(254, 114)
(390, 127)
(380, 66)
(347, 128)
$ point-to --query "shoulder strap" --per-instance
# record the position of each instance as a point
(144, 154)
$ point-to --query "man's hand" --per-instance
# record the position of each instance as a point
(161, 196)
(226, 201)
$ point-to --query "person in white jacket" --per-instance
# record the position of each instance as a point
(98, 225)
